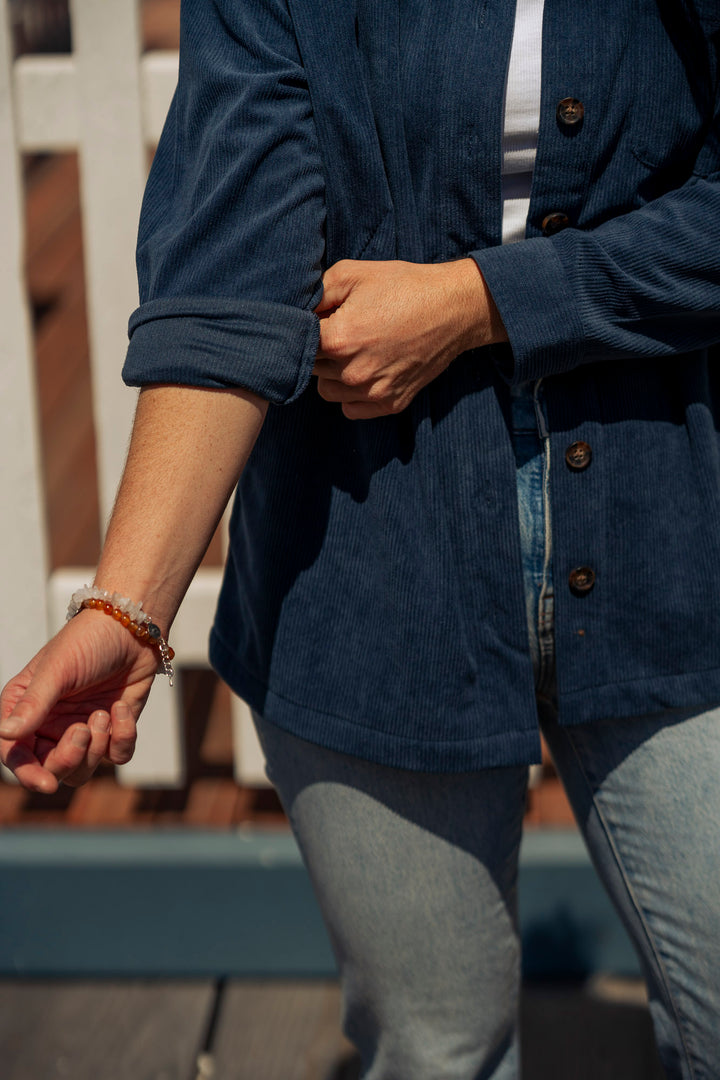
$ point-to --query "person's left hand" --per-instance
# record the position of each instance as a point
(75, 703)
(389, 328)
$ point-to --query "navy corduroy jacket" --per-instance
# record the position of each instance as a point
(373, 598)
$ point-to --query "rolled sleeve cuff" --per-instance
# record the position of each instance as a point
(267, 348)
(535, 300)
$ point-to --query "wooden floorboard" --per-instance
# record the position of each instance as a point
(86, 1030)
(290, 1031)
(283, 1030)
(570, 1033)
(279, 1031)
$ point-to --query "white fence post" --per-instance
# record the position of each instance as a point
(106, 48)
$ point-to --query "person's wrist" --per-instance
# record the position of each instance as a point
(476, 313)
(155, 598)
(127, 613)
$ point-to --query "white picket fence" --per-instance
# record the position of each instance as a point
(108, 101)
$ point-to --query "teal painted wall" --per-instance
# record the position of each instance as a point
(189, 903)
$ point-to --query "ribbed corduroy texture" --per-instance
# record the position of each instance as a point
(374, 598)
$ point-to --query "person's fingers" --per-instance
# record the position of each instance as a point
(123, 733)
(71, 760)
(333, 390)
(43, 746)
(12, 692)
(326, 304)
(338, 341)
(57, 724)
(69, 754)
(325, 368)
(99, 725)
(100, 729)
(21, 759)
(363, 410)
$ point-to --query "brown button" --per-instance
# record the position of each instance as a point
(553, 223)
(578, 456)
(581, 580)
(570, 112)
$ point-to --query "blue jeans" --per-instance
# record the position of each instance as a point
(416, 874)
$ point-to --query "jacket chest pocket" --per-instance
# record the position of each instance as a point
(674, 77)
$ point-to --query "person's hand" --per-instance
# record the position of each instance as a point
(388, 328)
(76, 703)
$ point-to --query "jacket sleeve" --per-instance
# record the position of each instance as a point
(231, 235)
(641, 285)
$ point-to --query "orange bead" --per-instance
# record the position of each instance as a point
(108, 608)
(125, 620)
(117, 614)
(141, 633)
(133, 627)
(170, 653)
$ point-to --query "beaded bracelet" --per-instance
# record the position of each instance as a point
(127, 614)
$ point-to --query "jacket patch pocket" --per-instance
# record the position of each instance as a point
(674, 91)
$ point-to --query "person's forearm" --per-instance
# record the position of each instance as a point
(188, 448)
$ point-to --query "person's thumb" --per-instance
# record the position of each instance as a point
(338, 283)
(29, 711)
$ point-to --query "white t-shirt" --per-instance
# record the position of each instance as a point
(522, 118)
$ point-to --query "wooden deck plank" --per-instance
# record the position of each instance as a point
(217, 741)
(59, 258)
(101, 804)
(67, 434)
(61, 343)
(212, 801)
(102, 1031)
(12, 801)
(280, 1031)
(290, 1031)
(569, 1032)
(283, 1030)
(161, 24)
(52, 197)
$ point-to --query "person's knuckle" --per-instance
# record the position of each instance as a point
(343, 270)
(64, 760)
(123, 751)
(337, 342)
(352, 376)
(333, 391)
(95, 755)
(378, 394)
